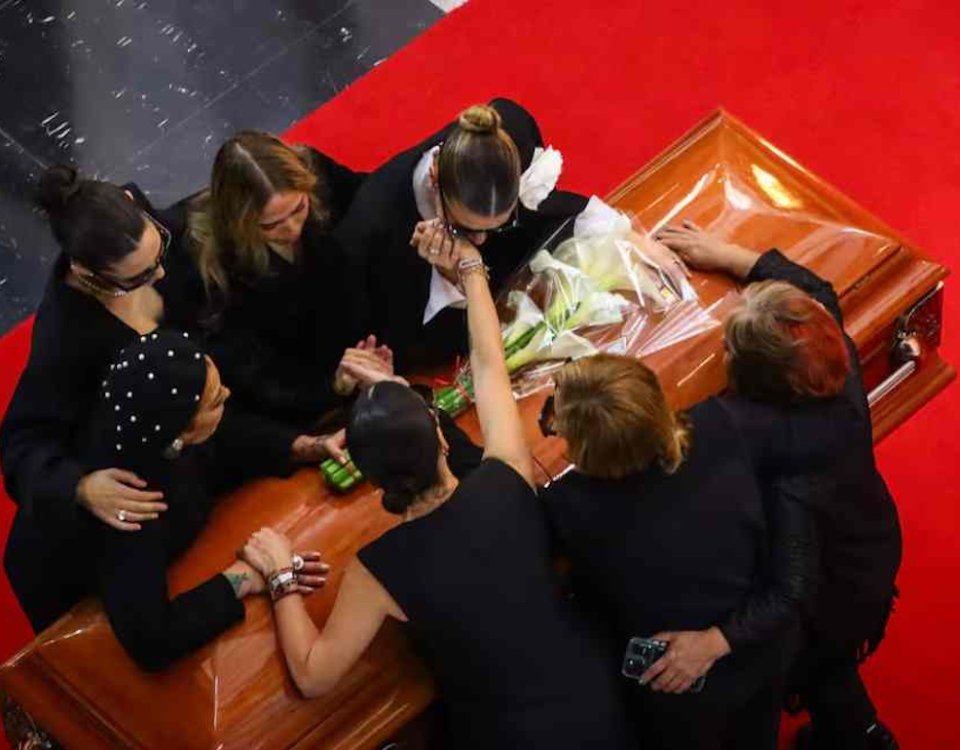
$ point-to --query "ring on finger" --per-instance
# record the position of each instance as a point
(296, 562)
(121, 515)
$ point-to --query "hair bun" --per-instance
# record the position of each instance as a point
(400, 496)
(480, 118)
(57, 186)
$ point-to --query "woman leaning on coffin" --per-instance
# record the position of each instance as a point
(798, 394)
(106, 287)
(670, 537)
(122, 271)
(487, 178)
(159, 411)
(284, 304)
(468, 569)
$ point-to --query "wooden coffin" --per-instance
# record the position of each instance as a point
(77, 683)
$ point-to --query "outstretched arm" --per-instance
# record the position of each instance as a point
(318, 659)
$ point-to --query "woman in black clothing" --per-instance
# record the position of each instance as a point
(465, 180)
(821, 436)
(668, 533)
(160, 407)
(109, 286)
(468, 569)
(284, 302)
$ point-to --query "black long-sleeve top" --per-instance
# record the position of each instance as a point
(131, 570)
(823, 451)
(279, 338)
(685, 551)
(377, 229)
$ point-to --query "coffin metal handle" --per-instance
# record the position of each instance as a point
(907, 351)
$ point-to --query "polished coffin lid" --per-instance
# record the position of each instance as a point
(79, 684)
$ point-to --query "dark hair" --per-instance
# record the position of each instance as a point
(392, 437)
(783, 346)
(479, 166)
(95, 222)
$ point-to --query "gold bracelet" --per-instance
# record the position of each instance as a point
(467, 267)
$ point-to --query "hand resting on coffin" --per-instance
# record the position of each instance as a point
(706, 252)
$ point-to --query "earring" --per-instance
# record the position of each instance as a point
(174, 449)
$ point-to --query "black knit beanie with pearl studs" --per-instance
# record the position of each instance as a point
(148, 397)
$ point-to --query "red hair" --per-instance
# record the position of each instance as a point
(783, 345)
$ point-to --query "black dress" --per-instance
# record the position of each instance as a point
(688, 551)
(377, 231)
(279, 338)
(514, 668)
(824, 450)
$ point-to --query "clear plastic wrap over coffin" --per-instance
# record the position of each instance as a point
(76, 681)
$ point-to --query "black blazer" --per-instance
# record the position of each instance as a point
(278, 339)
(73, 338)
(376, 233)
(689, 550)
(41, 437)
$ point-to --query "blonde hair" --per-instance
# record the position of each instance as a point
(478, 166)
(783, 345)
(614, 416)
(224, 223)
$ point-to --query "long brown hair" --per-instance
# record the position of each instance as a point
(478, 165)
(782, 345)
(615, 418)
(249, 169)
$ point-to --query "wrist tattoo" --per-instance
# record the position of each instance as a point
(236, 581)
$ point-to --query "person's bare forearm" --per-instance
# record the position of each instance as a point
(740, 261)
(486, 344)
(297, 635)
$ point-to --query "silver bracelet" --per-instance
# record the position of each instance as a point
(471, 265)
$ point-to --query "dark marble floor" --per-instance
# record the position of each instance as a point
(145, 91)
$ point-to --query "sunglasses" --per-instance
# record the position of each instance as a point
(118, 287)
(462, 232)
(547, 417)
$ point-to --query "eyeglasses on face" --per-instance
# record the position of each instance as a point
(462, 232)
(547, 417)
(458, 230)
(120, 286)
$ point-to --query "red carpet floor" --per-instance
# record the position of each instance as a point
(865, 94)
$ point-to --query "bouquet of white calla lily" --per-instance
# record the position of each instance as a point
(526, 317)
(597, 309)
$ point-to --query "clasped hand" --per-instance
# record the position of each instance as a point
(268, 551)
(441, 249)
